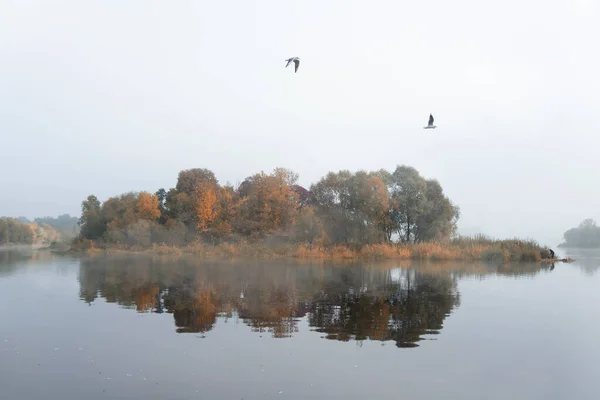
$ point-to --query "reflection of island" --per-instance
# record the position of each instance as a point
(588, 260)
(344, 302)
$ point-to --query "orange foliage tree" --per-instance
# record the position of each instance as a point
(206, 205)
(147, 206)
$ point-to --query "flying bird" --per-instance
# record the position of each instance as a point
(430, 124)
(296, 61)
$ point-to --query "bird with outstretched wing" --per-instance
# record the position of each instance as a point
(296, 62)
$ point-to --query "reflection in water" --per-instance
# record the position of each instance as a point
(14, 259)
(66, 346)
(11, 259)
(345, 303)
(401, 311)
(587, 259)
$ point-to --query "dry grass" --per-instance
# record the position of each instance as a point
(478, 248)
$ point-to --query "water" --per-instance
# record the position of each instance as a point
(155, 328)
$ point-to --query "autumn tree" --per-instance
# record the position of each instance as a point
(269, 202)
(192, 199)
(12, 230)
(189, 180)
(227, 208)
(206, 204)
(148, 206)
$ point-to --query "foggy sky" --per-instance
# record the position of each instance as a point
(103, 97)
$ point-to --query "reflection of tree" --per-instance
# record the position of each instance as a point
(346, 303)
(13, 259)
(274, 311)
(400, 311)
(587, 259)
(194, 311)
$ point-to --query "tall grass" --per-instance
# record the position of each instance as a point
(476, 248)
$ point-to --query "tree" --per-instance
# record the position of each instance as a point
(269, 202)
(227, 208)
(354, 206)
(120, 211)
(309, 227)
(193, 197)
(439, 217)
(63, 223)
(180, 206)
(587, 234)
(206, 205)
(148, 206)
(161, 195)
(91, 222)
(305, 197)
(409, 192)
(189, 180)
(13, 230)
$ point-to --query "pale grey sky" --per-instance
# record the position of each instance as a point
(109, 96)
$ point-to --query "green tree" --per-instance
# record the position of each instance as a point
(354, 207)
(189, 180)
(409, 194)
(439, 217)
(91, 222)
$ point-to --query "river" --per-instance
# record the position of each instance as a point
(141, 327)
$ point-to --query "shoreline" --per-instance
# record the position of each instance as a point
(503, 252)
(18, 246)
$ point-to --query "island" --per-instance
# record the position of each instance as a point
(586, 235)
(345, 215)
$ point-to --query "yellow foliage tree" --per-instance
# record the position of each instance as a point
(206, 201)
(147, 206)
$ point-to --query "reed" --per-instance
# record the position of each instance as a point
(476, 248)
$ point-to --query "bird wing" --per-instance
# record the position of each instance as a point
(289, 60)
(430, 119)
(297, 63)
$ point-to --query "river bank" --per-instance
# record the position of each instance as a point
(462, 249)
(17, 246)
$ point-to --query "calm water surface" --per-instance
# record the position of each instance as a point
(153, 328)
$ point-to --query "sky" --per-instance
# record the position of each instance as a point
(105, 97)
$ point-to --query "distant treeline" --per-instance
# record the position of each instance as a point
(14, 231)
(65, 224)
(353, 209)
(587, 234)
